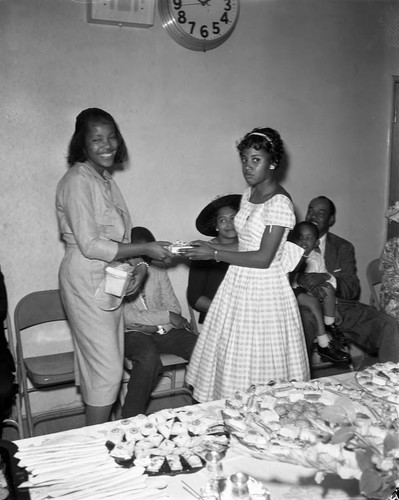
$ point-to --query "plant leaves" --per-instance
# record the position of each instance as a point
(342, 410)
(343, 435)
(370, 483)
(391, 442)
(364, 459)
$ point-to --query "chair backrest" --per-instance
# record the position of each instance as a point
(374, 277)
(42, 315)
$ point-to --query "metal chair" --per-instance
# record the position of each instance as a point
(41, 324)
(374, 275)
(15, 420)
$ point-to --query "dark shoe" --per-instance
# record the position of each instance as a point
(336, 334)
(333, 354)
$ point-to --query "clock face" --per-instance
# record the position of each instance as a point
(199, 24)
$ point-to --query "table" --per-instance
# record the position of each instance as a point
(285, 481)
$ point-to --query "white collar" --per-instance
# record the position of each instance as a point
(322, 244)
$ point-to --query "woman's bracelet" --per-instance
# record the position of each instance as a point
(142, 263)
(216, 256)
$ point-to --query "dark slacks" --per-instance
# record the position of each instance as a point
(144, 351)
(373, 331)
(309, 327)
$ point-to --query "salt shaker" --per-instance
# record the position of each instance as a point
(239, 486)
(217, 479)
(214, 465)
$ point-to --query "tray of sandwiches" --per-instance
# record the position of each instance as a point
(307, 423)
(168, 442)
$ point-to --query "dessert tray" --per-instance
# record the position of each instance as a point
(381, 381)
(307, 423)
(167, 442)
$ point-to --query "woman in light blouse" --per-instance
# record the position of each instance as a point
(95, 225)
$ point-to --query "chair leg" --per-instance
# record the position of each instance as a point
(24, 394)
(10, 422)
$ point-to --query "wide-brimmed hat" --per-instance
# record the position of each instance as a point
(205, 222)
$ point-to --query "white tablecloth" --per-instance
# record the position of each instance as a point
(285, 481)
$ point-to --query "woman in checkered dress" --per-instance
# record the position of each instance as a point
(253, 333)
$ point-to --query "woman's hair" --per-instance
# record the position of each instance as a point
(267, 139)
(296, 232)
(77, 148)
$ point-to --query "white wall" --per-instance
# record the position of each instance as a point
(319, 71)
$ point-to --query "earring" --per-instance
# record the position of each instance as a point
(217, 229)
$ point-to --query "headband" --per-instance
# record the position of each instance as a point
(261, 135)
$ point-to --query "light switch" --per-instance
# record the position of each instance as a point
(133, 13)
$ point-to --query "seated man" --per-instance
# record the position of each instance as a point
(7, 368)
(154, 326)
(373, 331)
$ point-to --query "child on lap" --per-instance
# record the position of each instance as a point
(329, 338)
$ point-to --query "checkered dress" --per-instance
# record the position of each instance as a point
(252, 332)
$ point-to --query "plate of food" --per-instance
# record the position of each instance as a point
(381, 381)
(304, 423)
(168, 442)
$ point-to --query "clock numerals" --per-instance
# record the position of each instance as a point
(199, 24)
(204, 30)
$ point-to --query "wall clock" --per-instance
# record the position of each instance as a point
(199, 24)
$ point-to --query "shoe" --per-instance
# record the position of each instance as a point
(333, 354)
(336, 334)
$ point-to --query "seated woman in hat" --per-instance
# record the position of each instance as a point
(205, 276)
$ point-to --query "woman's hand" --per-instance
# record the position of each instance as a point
(202, 251)
(158, 250)
(138, 276)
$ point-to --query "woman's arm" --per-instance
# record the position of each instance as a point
(260, 259)
(197, 282)
(155, 249)
(76, 200)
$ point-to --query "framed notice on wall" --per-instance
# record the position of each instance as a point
(133, 13)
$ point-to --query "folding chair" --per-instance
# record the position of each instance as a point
(374, 275)
(15, 420)
(41, 325)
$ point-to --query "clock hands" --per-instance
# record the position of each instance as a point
(198, 2)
